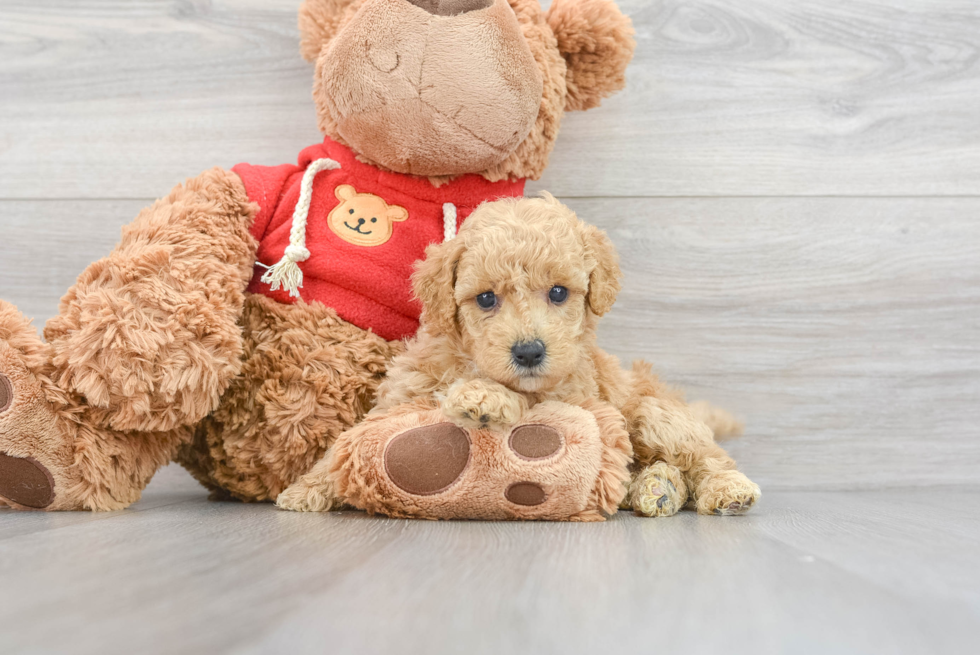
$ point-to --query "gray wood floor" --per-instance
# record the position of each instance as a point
(795, 191)
(811, 572)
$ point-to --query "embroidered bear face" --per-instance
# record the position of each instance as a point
(363, 219)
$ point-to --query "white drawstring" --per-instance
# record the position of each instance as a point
(287, 273)
(449, 221)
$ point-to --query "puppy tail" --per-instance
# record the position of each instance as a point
(721, 422)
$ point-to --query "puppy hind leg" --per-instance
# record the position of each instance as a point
(657, 490)
(664, 429)
(722, 489)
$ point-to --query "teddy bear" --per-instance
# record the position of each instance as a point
(247, 318)
(355, 208)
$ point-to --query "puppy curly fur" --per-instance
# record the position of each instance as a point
(519, 249)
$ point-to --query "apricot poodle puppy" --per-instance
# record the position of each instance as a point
(510, 309)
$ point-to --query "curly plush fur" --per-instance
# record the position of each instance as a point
(307, 376)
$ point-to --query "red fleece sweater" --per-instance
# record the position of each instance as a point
(365, 229)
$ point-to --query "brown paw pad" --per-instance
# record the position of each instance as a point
(6, 393)
(427, 460)
(535, 441)
(24, 481)
(525, 493)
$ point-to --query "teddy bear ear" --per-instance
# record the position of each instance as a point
(319, 21)
(397, 213)
(345, 192)
(596, 40)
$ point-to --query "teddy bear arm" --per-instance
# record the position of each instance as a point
(150, 334)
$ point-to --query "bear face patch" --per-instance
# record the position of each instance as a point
(363, 219)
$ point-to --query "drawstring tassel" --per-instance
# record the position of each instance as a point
(286, 273)
(448, 221)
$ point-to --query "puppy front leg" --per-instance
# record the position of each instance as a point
(664, 430)
(479, 403)
(313, 492)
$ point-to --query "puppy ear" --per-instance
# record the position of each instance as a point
(434, 282)
(605, 275)
(596, 40)
(319, 21)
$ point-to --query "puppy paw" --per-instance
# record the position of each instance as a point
(726, 493)
(658, 490)
(302, 496)
(481, 403)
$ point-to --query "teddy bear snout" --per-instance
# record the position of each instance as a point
(450, 7)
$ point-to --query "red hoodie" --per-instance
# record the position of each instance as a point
(364, 230)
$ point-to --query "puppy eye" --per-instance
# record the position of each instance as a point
(351, 211)
(558, 295)
(374, 220)
(486, 300)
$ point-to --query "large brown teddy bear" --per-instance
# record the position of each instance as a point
(245, 320)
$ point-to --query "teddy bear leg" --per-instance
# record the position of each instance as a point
(53, 454)
(664, 430)
(144, 344)
(150, 334)
(560, 462)
(307, 376)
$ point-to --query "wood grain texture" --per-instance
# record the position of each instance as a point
(124, 98)
(806, 572)
(846, 331)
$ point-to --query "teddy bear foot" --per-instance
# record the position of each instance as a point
(428, 460)
(421, 465)
(36, 458)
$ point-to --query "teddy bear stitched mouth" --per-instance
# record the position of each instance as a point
(357, 229)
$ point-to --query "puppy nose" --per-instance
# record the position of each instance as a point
(360, 221)
(528, 353)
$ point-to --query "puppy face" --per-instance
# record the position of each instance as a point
(519, 289)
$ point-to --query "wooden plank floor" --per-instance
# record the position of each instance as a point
(810, 572)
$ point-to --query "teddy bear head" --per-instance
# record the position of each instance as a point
(441, 88)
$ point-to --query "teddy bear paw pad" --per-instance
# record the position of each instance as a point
(525, 493)
(24, 481)
(535, 441)
(428, 459)
(6, 393)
